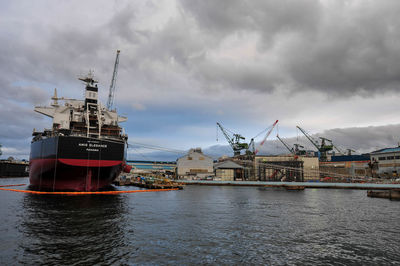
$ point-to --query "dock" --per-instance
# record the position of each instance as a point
(149, 183)
(322, 185)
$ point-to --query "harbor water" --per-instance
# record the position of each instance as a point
(221, 225)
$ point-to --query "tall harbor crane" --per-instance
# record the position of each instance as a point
(323, 148)
(234, 140)
(284, 144)
(265, 137)
(338, 150)
(296, 147)
(111, 93)
(349, 151)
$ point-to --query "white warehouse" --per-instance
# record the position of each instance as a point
(194, 165)
(387, 161)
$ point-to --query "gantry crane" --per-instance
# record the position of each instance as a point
(323, 148)
(296, 147)
(234, 141)
(111, 93)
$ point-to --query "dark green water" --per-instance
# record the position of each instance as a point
(200, 225)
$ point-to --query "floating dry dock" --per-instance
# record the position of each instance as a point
(366, 186)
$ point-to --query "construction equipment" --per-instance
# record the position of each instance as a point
(338, 150)
(323, 148)
(296, 147)
(234, 140)
(297, 151)
(349, 151)
(284, 144)
(265, 137)
(111, 93)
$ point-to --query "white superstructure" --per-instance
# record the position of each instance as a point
(83, 117)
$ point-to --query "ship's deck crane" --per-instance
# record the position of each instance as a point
(323, 148)
(234, 140)
(111, 93)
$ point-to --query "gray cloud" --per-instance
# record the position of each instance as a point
(336, 47)
(233, 58)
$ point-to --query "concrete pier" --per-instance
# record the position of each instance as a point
(365, 186)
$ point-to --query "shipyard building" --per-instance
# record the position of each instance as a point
(228, 171)
(386, 162)
(346, 166)
(282, 167)
(194, 165)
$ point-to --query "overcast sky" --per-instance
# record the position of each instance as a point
(332, 67)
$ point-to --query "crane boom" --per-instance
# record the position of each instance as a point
(266, 136)
(284, 144)
(336, 148)
(315, 143)
(323, 148)
(228, 138)
(111, 93)
(234, 141)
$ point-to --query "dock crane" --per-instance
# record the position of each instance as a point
(338, 150)
(110, 100)
(296, 147)
(265, 137)
(323, 148)
(234, 140)
(291, 150)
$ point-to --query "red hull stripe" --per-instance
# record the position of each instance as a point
(88, 192)
(89, 163)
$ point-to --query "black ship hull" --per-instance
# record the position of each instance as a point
(71, 163)
(13, 169)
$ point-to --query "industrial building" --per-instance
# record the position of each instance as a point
(228, 171)
(194, 165)
(308, 166)
(346, 165)
(386, 162)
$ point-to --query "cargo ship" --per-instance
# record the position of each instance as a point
(13, 168)
(85, 150)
